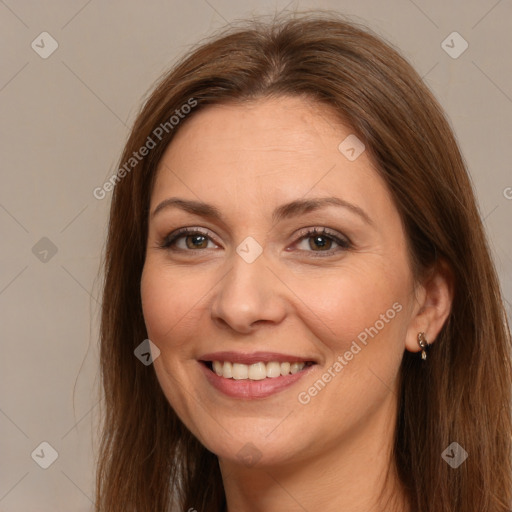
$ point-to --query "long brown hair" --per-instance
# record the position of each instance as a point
(148, 460)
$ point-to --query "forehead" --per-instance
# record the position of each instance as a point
(269, 150)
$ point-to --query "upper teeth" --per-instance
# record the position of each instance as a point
(256, 371)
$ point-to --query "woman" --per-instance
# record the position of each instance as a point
(294, 230)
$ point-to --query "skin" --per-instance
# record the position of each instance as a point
(333, 452)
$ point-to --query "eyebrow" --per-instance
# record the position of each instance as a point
(285, 211)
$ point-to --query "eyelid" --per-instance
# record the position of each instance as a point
(315, 230)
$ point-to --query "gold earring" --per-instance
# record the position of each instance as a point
(423, 343)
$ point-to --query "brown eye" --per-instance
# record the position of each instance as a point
(195, 241)
(321, 241)
(193, 238)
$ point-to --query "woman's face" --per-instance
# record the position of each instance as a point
(254, 288)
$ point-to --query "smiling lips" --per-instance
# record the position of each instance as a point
(255, 375)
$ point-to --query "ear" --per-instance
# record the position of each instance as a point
(434, 298)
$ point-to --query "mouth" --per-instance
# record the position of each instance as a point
(252, 376)
(259, 370)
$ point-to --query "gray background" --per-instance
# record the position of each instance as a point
(64, 120)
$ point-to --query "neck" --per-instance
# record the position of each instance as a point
(356, 475)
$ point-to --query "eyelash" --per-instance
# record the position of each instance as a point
(343, 243)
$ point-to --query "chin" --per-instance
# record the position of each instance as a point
(252, 442)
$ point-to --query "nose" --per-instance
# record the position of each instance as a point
(249, 293)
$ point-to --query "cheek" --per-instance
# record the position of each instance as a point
(347, 301)
(155, 298)
(167, 302)
(362, 314)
